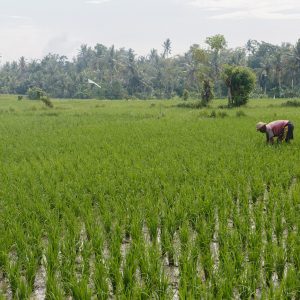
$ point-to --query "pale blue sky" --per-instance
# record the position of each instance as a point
(34, 28)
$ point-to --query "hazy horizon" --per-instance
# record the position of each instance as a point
(35, 28)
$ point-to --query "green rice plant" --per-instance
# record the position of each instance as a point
(164, 241)
(52, 263)
(203, 241)
(100, 280)
(269, 263)
(224, 280)
(136, 229)
(79, 184)
(95, 236)
(153, 224)
(68, 258)
(152, 274)
(80, 290)
(278, 226)
(115, 259)
(280, 261)
(23, 290)
(67, 273)
(171, 251)
(254, 249)
(13, 274)
(232, 257)
(291, 284)
(292, 248)
(19, 287)
(289, 215)
(190, 284)
(258, 217)
(143, 261)
(31, 268)
(127, 225)
(184, 234)
(86, 254)
(242, 225)
(129, 272)
(53, 290)
(244, 289)
(115, 276)
(207, 263)
(106, 218)
(3, 259)
(167, 245)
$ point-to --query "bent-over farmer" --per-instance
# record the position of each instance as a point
(281, 129)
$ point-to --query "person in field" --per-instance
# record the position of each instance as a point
(281, 129)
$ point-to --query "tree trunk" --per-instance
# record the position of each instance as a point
(279, 83)
(229, 97)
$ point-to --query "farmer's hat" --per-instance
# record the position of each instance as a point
(259, 125)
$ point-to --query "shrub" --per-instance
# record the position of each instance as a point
(292, 103)
(20, 97)
(240, 82)
(213, 114)
(196, 105)
(207, 92)
(47, 101)
(185, 95)
(222, 114)
(36, 93)
(203, 114)
(222, 106)
(240, 113)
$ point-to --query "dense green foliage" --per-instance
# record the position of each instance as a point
(240, 82)
(207, 92)
(144, 200)
(123, 74)
(36, 93)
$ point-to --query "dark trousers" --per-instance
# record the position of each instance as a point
(290, 133)
(287, 133)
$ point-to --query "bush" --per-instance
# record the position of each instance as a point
(222, 106)
(207, 92)
(203, 114)
(47, 101)
(213, 114)
(240, 113)
(292, 103)
(240, 82)
(222, 114)
(185, 95)
(36, 93)
(196, 105)
(20, 97)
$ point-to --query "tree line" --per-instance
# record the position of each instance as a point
(122, 74)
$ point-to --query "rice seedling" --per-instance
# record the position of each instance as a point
(117, 203)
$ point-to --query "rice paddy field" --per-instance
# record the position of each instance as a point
(147, 200)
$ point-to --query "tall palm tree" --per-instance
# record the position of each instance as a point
(167, 48)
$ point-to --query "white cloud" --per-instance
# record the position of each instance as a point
(61, 44)
(241, 9)
(96, 1)
(15, 20)
(19, 18)
(20, 41)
